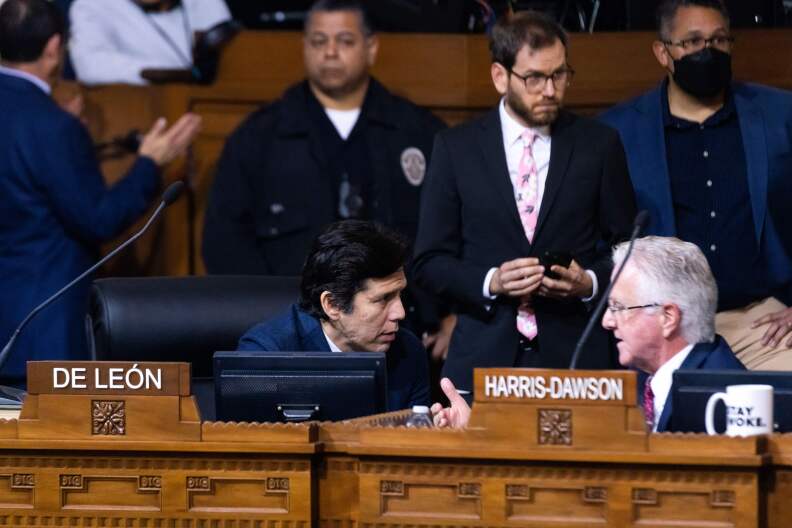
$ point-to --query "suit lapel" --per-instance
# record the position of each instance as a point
(665, 417)
(655, 181)
(311, 335)
(561, 147)
(752, 127)
(497, 173)
(697, 356)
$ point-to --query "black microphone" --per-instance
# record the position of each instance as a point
(129, 143)
(641, 219)
(168, 197)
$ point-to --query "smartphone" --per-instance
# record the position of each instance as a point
(551, 258)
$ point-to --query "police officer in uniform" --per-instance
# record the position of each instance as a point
(335, 146)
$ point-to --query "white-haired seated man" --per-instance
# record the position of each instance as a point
(662, 313)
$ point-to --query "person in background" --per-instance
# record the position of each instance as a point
(336, 146)
(112, 41)
(55, 209)
(350, 302)
(502, 190)
(710, 160)
(662, 313)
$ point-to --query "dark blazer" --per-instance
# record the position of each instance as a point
(272, 194)
(765, 116)
(469, 223)
(715, 355)
(55, 210)
(298, 331)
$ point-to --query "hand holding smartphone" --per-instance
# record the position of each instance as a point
(551, 258)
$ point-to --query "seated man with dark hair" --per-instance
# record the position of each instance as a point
(350, 302)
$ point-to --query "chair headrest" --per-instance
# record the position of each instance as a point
(182, 318)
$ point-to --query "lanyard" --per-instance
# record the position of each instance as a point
(167, 38)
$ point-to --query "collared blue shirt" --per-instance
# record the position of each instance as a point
(712, 204)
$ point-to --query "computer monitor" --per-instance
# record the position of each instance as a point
(299, 386)
(691, 390)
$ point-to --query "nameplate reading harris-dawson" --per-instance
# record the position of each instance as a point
(109, 378)
(542, 385)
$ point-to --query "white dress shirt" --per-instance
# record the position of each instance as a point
(662, 379)
(514, 147)
(333, 347)
(13, 72)
(113, 40)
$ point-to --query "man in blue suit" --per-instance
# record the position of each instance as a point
(711, 160)
(55, 209)
(350, 301)
(661, 311)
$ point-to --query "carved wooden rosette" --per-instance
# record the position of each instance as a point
(108, 417)
(555, 427)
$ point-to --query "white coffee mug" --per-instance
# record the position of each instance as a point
(749, 410)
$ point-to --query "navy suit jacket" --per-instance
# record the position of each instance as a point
(55, 210)
(712, 356)
(765, 116)
(298, 331)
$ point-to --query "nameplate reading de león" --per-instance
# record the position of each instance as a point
(543, 385)
(122, 378)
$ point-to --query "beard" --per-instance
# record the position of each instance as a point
(533, 118)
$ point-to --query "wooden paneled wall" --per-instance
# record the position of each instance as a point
(447, 73)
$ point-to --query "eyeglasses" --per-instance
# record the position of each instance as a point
(536, 81)
(615, 307)
(722, 42)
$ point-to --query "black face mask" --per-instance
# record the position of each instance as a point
(705, 73)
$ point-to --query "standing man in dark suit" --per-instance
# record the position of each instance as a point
(55, 209)
(662, 313)
(350, 302)
(336, 146)
(711, 160)
(502, 190)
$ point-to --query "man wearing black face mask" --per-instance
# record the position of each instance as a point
(711, 160)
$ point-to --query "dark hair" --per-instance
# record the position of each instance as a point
(667, 10)
(526, 28)
(331, 6)
(343, 257)
(25, 28)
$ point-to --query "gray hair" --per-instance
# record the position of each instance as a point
(670, 270)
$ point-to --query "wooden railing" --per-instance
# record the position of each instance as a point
(449, 74)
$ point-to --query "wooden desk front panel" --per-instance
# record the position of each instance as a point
(391, 493)
(187, 490)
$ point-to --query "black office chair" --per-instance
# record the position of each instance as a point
(182, 319)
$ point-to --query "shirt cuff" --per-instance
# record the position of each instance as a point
(486, 290)
(594, 286)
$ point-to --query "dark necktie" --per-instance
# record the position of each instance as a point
(648, 404)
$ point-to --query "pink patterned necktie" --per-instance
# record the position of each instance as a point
(526, 191)
(648, 404)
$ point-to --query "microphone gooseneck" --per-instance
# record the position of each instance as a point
(641, 219)
(168, 197)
